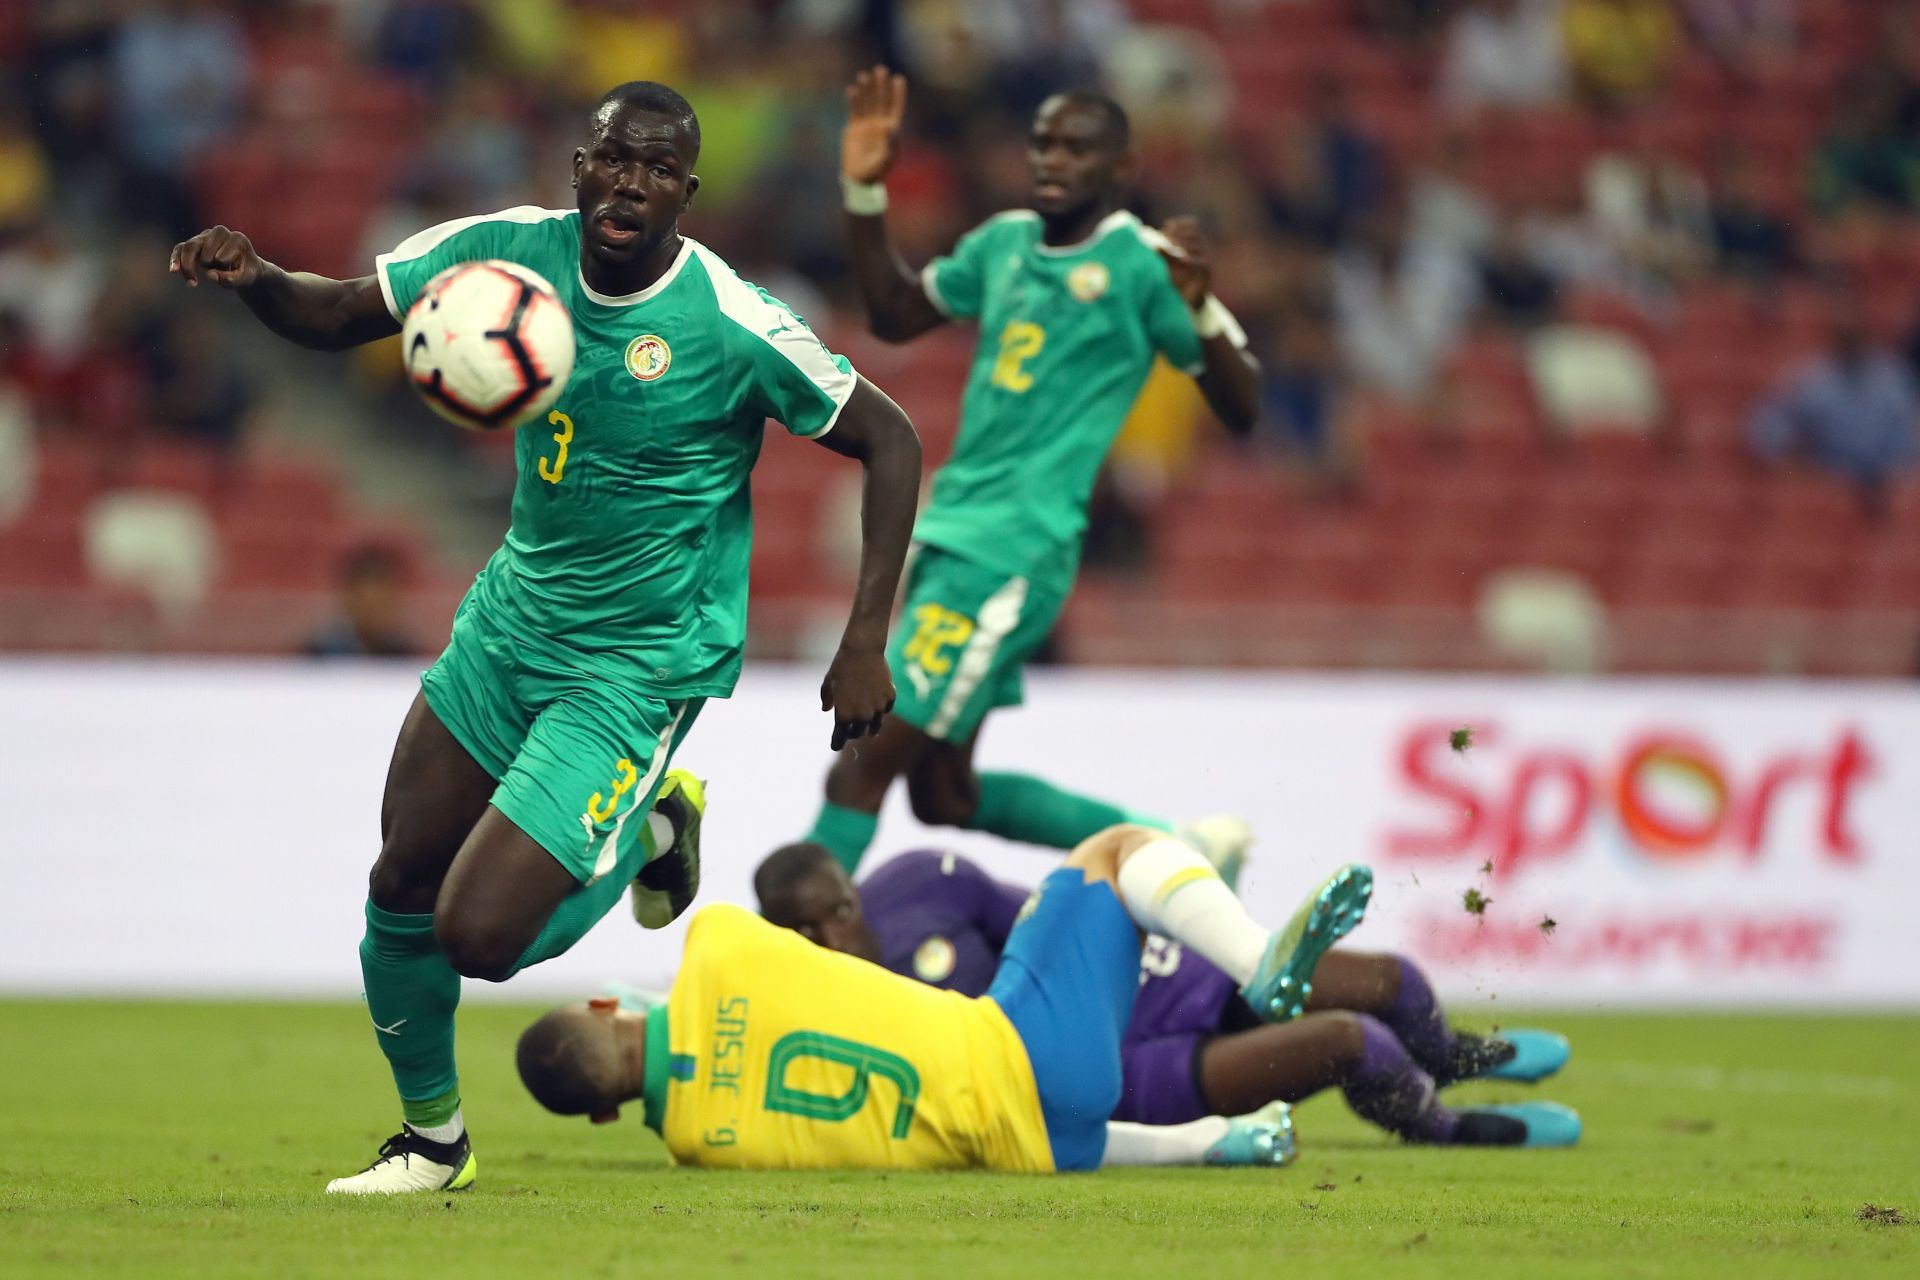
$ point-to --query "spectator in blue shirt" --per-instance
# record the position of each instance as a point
(180, 72)
(1851, 412)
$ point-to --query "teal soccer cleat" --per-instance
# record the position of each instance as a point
(1263, 1138)
(1278, 990)
(1536, 1055)
(1548, 1124)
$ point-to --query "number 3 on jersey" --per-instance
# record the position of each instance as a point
(1020, 341)
(552, 471)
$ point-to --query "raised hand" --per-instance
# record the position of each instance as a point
(859, 691)
(217, 254)
(1188, 262)
(876, 102)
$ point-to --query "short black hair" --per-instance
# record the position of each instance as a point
(1118, 130)
(653, 98)
(566, 1067)
(774, 879)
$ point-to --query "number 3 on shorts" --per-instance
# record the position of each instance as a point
(601, 809)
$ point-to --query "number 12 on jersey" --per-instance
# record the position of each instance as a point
(1020, 342)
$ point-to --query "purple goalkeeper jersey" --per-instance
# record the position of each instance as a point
(940, 918)
(944, 921)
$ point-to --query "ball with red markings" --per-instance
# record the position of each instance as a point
(488, 345)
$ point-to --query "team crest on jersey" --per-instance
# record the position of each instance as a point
(933, 960)
(1088, 280)
(648, 356)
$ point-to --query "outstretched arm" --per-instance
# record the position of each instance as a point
(871, 428)
(314, 311)
(897, 305)
(1231, 379)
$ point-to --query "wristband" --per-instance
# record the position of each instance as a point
(868, 199)
(1211, 319)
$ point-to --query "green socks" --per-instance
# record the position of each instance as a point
(411, 994)
(845, 833)
(1019, 807)
(1012, 805)
(412, 991)
(436, 1119)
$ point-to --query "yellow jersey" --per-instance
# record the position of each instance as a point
(781, 1054)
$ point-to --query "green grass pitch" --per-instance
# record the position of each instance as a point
(148, 1140)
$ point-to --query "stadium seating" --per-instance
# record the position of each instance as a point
(1701, 560)
(182, 547)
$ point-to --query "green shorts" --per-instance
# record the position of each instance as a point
(578, 758)
(963, 639)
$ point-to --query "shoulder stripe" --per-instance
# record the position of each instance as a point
(781, 328)
(930, 285)
(1152, 237)
(424, 242)
(929, 274)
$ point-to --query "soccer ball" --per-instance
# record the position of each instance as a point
(488, 345)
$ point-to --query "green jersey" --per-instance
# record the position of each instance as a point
(1068, 335)
(627, 555)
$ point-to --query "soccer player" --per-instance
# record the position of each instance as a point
(617, 605)
(1075, 299)
(1371, 1025)
(772, 1052)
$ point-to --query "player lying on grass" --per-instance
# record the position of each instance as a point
(1193, 1047)
(517, 805)
(1075, 299)
(772, 1052)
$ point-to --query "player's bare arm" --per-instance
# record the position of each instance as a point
(1231, 379)
(872, 429)
(897, 304)
(313, 311)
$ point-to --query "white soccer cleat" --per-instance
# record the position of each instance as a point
(408, 1162)
(1223, 840)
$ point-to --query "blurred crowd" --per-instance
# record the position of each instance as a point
(1366, 243)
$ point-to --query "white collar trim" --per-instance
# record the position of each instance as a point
(652, 290)
(1112, 222)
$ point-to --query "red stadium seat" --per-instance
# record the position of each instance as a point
(1443, 571)
(1661, 570)
(1810, 507)
(1887, 577)
(277, 556)
(291, 492)
(35, 554)
(1784, 569)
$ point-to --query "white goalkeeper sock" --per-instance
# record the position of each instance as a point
(1137, 1144)
(1170, 889)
